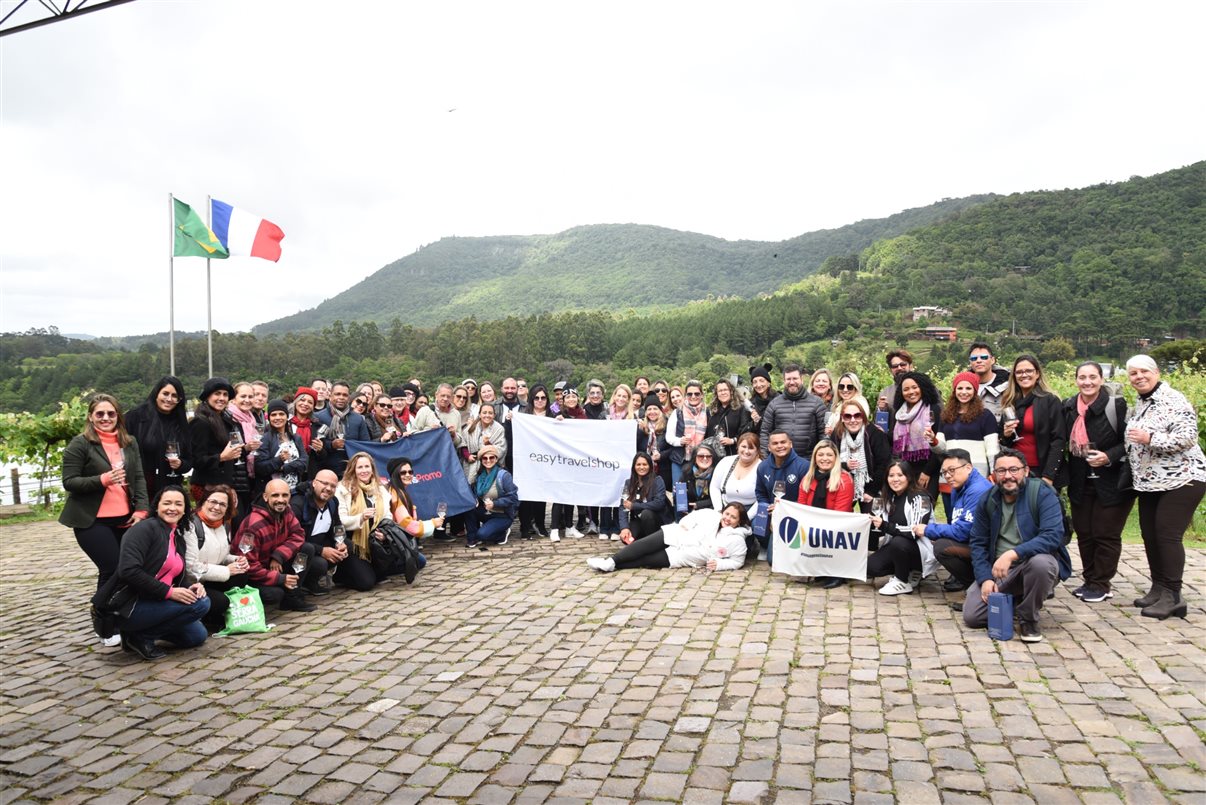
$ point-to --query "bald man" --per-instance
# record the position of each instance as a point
(277, 537)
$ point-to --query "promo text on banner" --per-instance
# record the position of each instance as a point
(818, 542)
(580, 461)
(438, 473)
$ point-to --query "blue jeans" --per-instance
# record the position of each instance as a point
(167, 620)
(482, 527)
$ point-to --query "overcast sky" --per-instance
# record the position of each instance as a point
(367, 129)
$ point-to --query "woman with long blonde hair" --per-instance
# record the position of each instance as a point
(363, 503)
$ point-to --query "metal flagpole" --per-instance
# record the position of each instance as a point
(171, 285)
(209, 304)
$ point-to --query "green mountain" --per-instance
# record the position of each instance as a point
(609, 266)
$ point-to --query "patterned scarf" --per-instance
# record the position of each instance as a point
(908, 436)
(359, 505)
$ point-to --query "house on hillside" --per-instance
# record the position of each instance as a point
(925, 311)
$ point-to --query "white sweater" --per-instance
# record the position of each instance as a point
(698, 538)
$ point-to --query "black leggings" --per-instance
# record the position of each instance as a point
(356, 573)
(102, 542)
(1163, 520)
(644, 525)
(900, 556)
(647, 552)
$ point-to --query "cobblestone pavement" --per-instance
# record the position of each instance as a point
(522, 675)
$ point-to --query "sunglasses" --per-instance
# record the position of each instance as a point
(852, 416)
(704, 457)
(662, 391)
(846, 387)
(460, 396)
(694, 394)
(540, 397)
(898, 365)
(406, 472)
(104, 414)
(979, 357)
(489, 458)
(385, 405)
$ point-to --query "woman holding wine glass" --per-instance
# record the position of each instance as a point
(150, 593)
(209, 556)
(727, 417)
(1169, 472)
(403, 508)
(241, 410)
(735, 479)
(282, 454)
(897, 551)
(864, 451)
(312, 432)
(106, 494)
(919, 409)
(497, 501)
(215, 440)
(651, 439)
(1096, 423)
(160, 426)
(1032, 419)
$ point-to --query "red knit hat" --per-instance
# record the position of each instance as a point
(970, 377)
(306, 390)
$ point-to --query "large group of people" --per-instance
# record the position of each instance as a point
(176, 510)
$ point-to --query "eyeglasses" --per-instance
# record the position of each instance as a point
(406, 472)
(846, 387)
(215, 504)
(104, 414)
(541, 397)
(704, 457)
(950, 473)
(169, 396)
(852, 416)
(1023, 372)
(1010, 470)
(979, 357)
(489, 458)
(897, 365)
(694, 394)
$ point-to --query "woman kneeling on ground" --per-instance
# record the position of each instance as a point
(704, 538)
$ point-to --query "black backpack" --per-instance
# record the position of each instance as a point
(396, 552)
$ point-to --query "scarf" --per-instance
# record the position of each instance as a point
(246, 422)
(908, 436)
(485, 480)
(702, 482)
(338, 428)
(695, 424)
(820, 495)
(1080, 434)
(359, 505)
(852, 447)
(302, 428)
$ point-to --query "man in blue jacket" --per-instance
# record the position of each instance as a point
(345, 425)
(1017, 546)
(951, 547)
(784, 465)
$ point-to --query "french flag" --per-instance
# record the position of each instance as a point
(245, 234)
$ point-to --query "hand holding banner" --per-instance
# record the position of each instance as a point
(817, 542)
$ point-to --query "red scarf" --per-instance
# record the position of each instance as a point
(302, 428)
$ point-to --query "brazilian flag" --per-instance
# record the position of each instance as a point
(192, 237)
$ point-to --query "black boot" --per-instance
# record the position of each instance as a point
(142, 647)
(1169, 603)
(1150, 598)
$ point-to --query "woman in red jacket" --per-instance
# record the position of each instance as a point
(827, 486)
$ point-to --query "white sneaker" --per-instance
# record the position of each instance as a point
(591, 528)
(113, 641)
(604, 535)
(914, 578)
(615, 537)
(896, 587)
(603, 564)
(554, 535)
(573, 533)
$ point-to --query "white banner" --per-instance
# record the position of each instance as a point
(817, 542)
(580, 461)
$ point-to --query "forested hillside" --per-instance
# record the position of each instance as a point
(613, 267)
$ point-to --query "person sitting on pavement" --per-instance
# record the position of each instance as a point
(897, 549)
(497, 501)
(209, 555)
(317, 510)
(643, 507)
(276, 538)
(1017, 545)
(950, 541)
(705, 538)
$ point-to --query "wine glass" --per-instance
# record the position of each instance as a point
(780, 489)
(171, 450)
(441, 509)
(261, 428)
(236, 438)
(878, 507)
(1088, 449)
(341, 535)
(119, 465)
(300, 560)
(1009, 414)
(246, 544)
(198, 568)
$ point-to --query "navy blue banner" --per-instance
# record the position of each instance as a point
(438, 474)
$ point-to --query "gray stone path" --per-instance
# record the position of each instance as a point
(522, 675)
